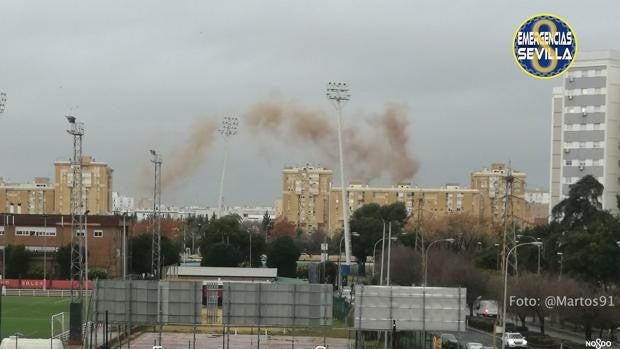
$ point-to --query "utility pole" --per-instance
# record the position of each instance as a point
(339, 94)
(230, 124)
(77, 232)
(156, 238)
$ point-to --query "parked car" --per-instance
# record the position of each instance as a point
(473, 345)
(485, 307)
(449, 341)
(513, 340)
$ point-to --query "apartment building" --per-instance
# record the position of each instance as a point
(310, 201)
(585, 127)
(36, 197)
(492, 184)
(96, 183)
(432, 202)
(306, 196)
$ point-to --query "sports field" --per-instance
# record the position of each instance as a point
(30, 316)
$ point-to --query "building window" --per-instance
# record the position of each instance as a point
(98, 233)
(79, 233)
(570, 163)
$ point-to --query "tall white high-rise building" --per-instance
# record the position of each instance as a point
(585, 126)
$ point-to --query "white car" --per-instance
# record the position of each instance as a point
(514, 340)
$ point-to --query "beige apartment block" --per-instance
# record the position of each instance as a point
(96, 182)
(36, 197)
(310, 201)
(425, 202)
(492, 184)
(305, 196)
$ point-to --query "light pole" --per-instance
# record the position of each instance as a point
(229, 128)
(425, 258)
(124, 246)
(374, 256)
(450, 240)
(519, 236)
(339, 254)
(535, 243)
(561, 254)
(86, 246)
(2, 102)
(339, 94)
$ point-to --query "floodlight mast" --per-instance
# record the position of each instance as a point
(230, 125)
(78, 231)
(2, 102)
(156, 237)
(338, 93)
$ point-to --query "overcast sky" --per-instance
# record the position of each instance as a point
(138, 73)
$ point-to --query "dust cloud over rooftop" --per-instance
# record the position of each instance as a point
(377, 145)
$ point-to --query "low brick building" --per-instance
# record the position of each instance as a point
(45, 234)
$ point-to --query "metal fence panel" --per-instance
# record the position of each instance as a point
(257, 304)
(443, 308)
(148, 301)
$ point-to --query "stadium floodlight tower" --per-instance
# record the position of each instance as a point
(156, 238)
(338, 93)
(230, 125)
(2, 102)
(76, 129)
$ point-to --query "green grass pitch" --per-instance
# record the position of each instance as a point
(30, 316)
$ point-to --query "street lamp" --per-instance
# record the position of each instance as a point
(535, 243)
(450, 240)
(374, 256)
(561, 254)
(355, 234)
(519, 236)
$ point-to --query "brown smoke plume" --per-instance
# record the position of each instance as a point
(376, 146)
(185, 160)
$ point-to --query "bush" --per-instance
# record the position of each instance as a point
(484, 324)
(97, 273)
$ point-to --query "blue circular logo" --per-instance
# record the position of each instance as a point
(544, 46)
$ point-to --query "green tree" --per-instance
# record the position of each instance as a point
(367, 221)
(63, 259)
(230, 230)
(283, 254)
(582, 206)
(141, 257)
(18, 261)
(221, 255)
(266, 223)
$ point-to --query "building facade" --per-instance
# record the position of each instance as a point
(585, 127)
(43, 235)
(36, 197)
(310, 201)
(42, 197)
(431, 202)
(96, 183)
(492, 183)
(306, 196)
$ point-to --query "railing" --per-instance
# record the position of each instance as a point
(45, 293)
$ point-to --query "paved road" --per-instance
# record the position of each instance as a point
(472, 335)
